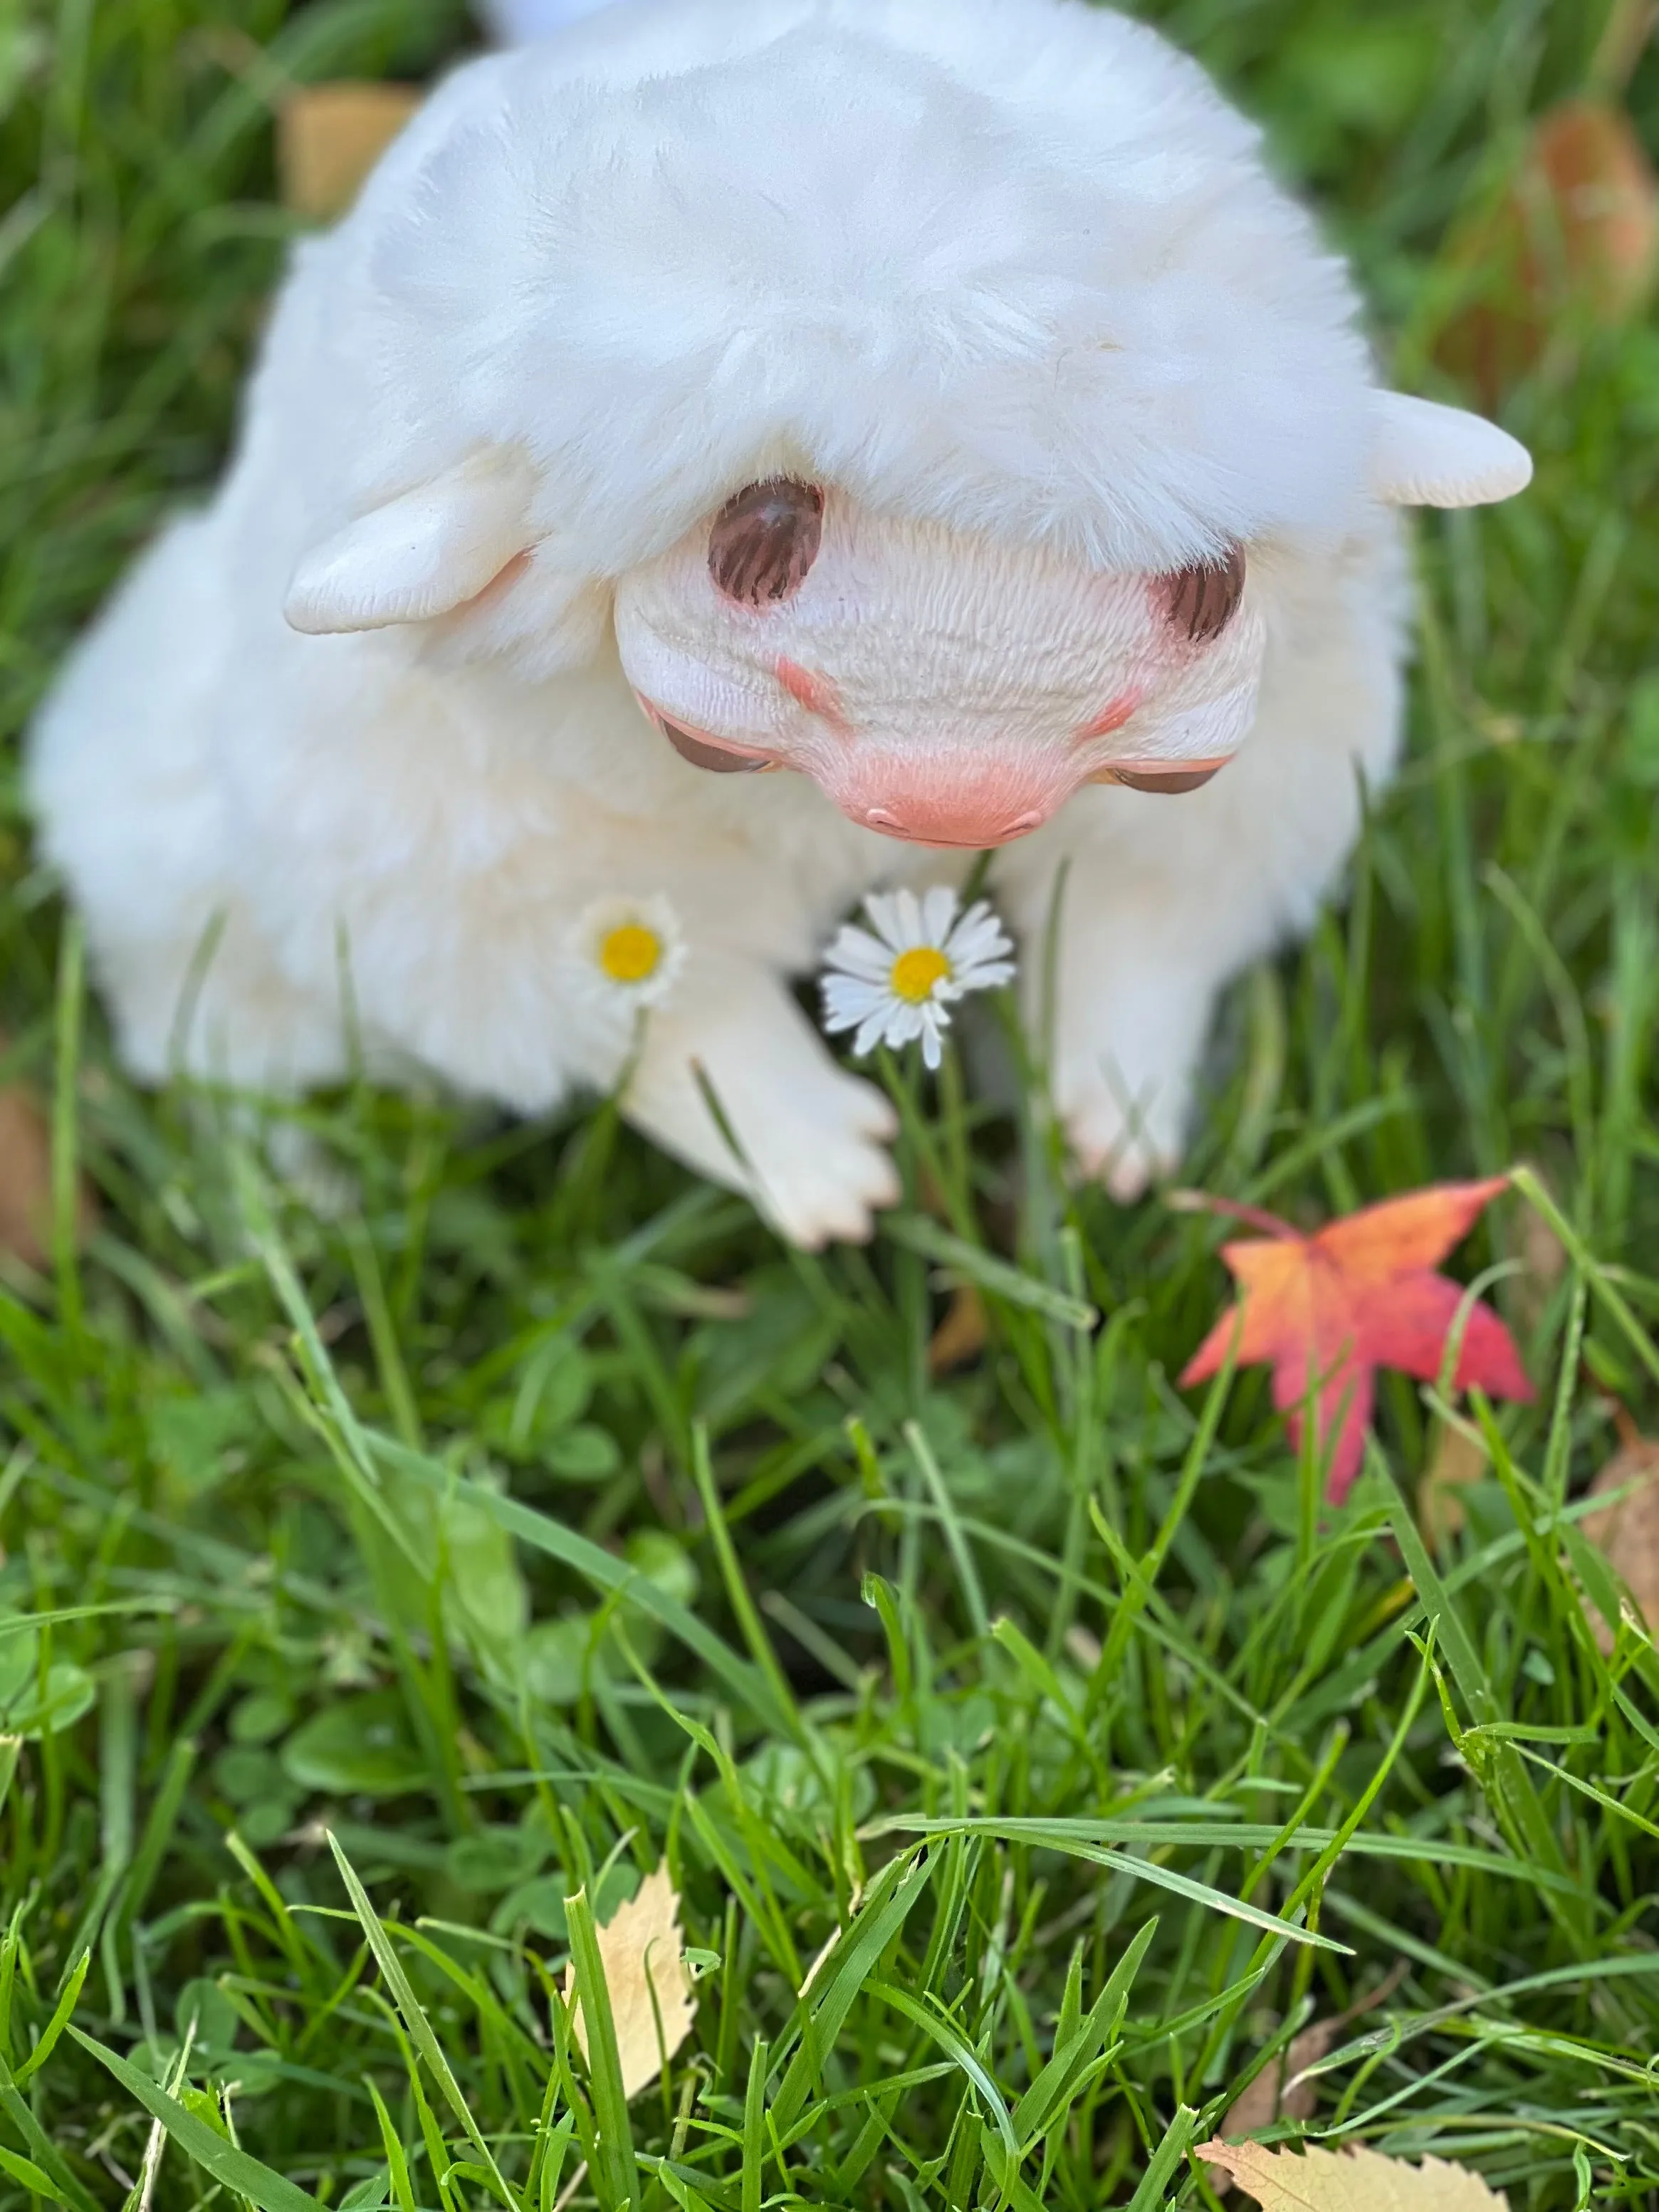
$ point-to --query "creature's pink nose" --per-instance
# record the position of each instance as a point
(926, 822)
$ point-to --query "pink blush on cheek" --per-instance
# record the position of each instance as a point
(816, 693)
(1110, 719)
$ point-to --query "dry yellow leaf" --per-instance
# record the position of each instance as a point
(1628, 1530)
(328, 137)
(1350, 2181)
(643, 1955)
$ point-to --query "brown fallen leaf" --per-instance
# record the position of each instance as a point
(1575, 236)
(26, 1179)
(328, 137)
(960, 1335)
(1542, 1255)
(1459, 1461)
(1350, 2181)
(643, 1955)
(1598, 184)
(1628, 1530)
(1279, 2093)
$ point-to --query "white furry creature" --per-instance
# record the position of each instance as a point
(514, 22)
(933, 402)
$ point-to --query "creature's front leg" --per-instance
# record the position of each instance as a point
(810, 1140)
(1132, 995)
(1158, 901)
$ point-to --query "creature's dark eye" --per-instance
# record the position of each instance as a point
(1164, 779)
(716, 758)
(764, 539)
(1200, 601)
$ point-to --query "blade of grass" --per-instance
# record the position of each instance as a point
(413, 2012)
(232, 2168)
(614, 2166)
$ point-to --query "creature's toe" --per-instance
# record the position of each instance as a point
(824, 1177)
(874, 1114)
(1128, 1149)
(1131, 1172)
(805, 1140)
(830, 1195)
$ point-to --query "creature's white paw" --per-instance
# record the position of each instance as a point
(820, 1177)
(1126, 1143)
(735, 1083)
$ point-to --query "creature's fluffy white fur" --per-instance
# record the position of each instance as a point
(1008, 267)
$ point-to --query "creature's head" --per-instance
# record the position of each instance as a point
(941, 687)
(929, 394)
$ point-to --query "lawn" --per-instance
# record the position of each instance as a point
(541, 1518)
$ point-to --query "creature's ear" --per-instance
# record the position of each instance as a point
(420, 554)
(1425, 455)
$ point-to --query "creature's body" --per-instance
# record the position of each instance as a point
(1064, 463)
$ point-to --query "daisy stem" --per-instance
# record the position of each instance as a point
(978, 877)
(959, 1188)
(902, 1089)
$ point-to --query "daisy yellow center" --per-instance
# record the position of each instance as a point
(630, 953)
(918, 972)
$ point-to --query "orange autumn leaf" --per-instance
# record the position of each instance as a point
(1328, 1310)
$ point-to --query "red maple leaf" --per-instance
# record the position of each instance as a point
(1328, 1311)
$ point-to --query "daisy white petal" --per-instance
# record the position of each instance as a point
(892, 1027)
(939, 911)
(855, 952)
(983, 975)
(984, 941)
(886, 919)
(979, 932)
(989, 979)
(909, 908)
(874, 1032)
(847, 1001)
(900, 984)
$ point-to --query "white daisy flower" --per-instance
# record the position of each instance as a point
(901, 983)
(630, 950)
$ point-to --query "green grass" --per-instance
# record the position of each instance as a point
(546, 1517)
